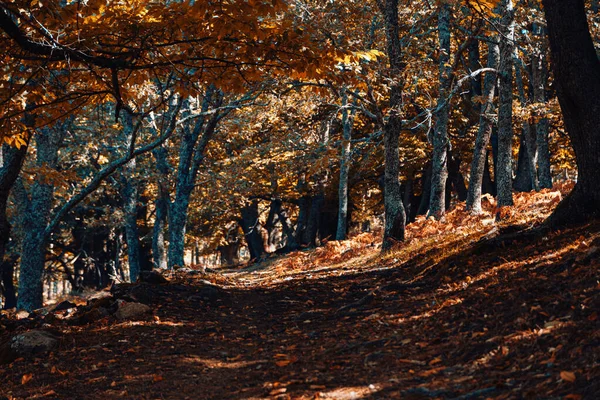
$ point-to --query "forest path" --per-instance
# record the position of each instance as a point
(483, 322)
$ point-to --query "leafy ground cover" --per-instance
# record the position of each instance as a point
(466, 309)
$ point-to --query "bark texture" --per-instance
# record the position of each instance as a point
(486, 122)
(347, 121)
(193, 146)
(578, 89)
(395, 218)
(161, 204)
(504, 173)
(11, 160)
(540, 77)
(252, 231)
(130, 201)
(35, 220)
(439, 162)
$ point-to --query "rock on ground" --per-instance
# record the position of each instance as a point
(131, 310)
(26, 344)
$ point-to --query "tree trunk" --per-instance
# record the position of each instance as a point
(504, 173)
(271, 225)
(314, 220)
(159, 250)
(425, 190)
(347, 121)
(230, 254)
(291, 243)
(480, 153)
(130, 200)
(577, 75)
(540, 77)
(7, 273)
(474, 64)
(192, 150)
(407, 196)
(439, 162)
(395, 218)
(252, 231)
(35, 221)
(488, 186)
(526, 176)
(302, 222)
(11, 160)
(456, 177)
(177, 227)
(523, 177)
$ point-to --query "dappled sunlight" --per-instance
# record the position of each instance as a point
(233, 363)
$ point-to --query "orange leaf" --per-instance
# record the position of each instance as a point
(157, 378)
(26, 378)
(567, 376)
(435, 361)
(283, 363)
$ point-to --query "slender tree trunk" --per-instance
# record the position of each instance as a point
(526, 176)
(504, 172)
(407, 197)
(395, 218)
(439, 161)
(347, 121)
(486, 121)
(130, 201)
(540, 77)
(488, 186)
(425, 189)
(302, 222)
(161, 204)
(474, 57)
(578, 89)
(159, 248)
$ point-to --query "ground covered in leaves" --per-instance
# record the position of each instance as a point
(466, 309)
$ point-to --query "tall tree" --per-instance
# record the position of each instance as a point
(11, 160)
(504, 171)
(486, 122)
(440, 140)
(578, 89)
(194, 141)
(35, 208)
(345, 158)
(395, 217)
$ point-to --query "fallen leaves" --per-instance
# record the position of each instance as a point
(568, 376)
(26, 378)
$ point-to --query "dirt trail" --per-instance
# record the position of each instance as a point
(489, 322)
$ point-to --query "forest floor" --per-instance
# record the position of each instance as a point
(465, 309)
